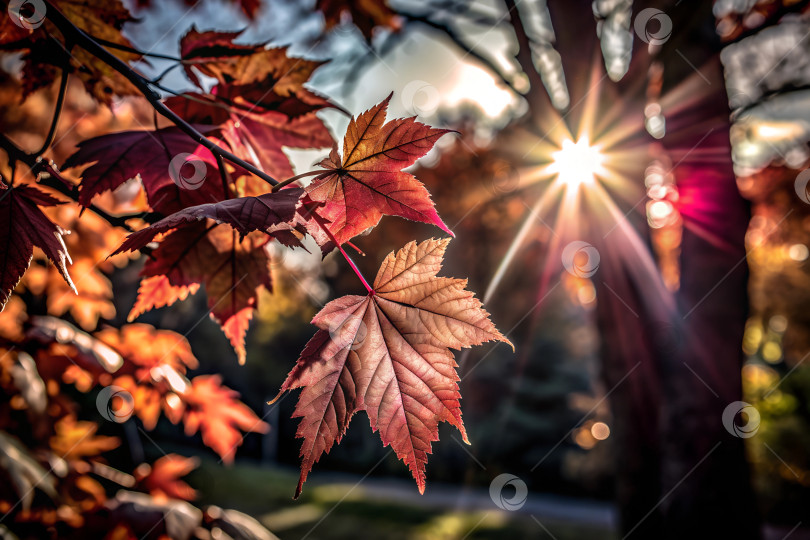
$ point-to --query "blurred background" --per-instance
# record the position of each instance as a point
(671, 144)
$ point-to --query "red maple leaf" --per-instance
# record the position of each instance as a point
(118, 157)
(368, 182)
(388, 354)
(23, 226)
(232, 271)
(216, 55)
(257, 130)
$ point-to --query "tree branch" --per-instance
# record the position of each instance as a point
(536, 96)
(133, 50)
(50, 177)
(80, 38)
(60, 100)
(457, 40)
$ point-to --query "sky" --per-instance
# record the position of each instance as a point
(421, 87)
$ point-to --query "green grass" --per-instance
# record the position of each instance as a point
(339, 510)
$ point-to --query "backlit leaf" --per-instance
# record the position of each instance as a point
(388, 353)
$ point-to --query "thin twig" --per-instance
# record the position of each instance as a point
(163, 73)
(451, 33)
(60, 100)
(295, 179)
(80, 38)
(133, 50)
(536, 97)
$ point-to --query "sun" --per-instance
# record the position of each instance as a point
(577, 163)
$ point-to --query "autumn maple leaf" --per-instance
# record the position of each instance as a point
(215, 410)
(388, 354)
(366, 15)
(232, 270)
(162, 479)
(117, 157)
(23, 226)
(244, 214)
(368, 182)
(251, 69)
(41, 61)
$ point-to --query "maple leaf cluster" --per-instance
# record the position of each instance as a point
(387, 353)
(57, 462)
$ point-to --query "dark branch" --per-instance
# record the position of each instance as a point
(60, 100)
(457, 40)
(50, 177)
(133, 50)
(536, 96)
(80, 38)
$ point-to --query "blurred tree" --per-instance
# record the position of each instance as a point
(680, 471)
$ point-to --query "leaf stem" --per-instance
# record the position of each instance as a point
(295, 178)
(163, 73)
(319, 220)
(57, 111)
(223, 173)
(133, 50)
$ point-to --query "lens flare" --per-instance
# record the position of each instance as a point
(577, 163)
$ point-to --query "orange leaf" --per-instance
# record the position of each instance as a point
(216, 411)
(232, 270)
(75, 440)
(147, 347)
(156, 292)
(162, 479)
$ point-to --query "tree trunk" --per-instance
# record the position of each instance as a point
(671, 371)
